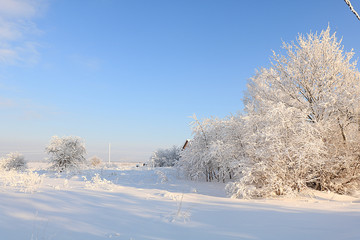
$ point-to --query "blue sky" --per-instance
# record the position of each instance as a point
(132, 72)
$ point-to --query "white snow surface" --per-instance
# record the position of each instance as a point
(121, 201)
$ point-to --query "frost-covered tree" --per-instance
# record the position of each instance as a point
(303, 121)
(66, 153)
(165, 157)
(13, 161)
(283, 154)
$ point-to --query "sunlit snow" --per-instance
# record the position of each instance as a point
(121, 201)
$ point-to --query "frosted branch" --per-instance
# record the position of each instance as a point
(352, 8)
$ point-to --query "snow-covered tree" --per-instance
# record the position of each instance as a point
(283, 154)
(66, 153)
(165, 157)
(13, 161)
(303, 121)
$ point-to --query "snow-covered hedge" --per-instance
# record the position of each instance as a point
(301, 127)
(13, 161)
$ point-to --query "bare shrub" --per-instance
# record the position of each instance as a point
(95, 161)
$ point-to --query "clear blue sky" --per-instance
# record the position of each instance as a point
(132, 72)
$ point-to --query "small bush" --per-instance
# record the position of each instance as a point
(95, 161)
(13, 161)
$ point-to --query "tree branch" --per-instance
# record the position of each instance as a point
(352, 8)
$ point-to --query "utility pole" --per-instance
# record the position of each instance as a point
(109, 151)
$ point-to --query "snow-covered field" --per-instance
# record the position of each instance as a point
(125, 202)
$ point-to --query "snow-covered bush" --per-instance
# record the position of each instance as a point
(165, 157)
(97, 183)
(26, 181)
(162, 176)
(95, 161)
(13, 161)
(66, 153)
(303, 121)
(216, 150)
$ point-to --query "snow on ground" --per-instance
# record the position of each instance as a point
(125, 202)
